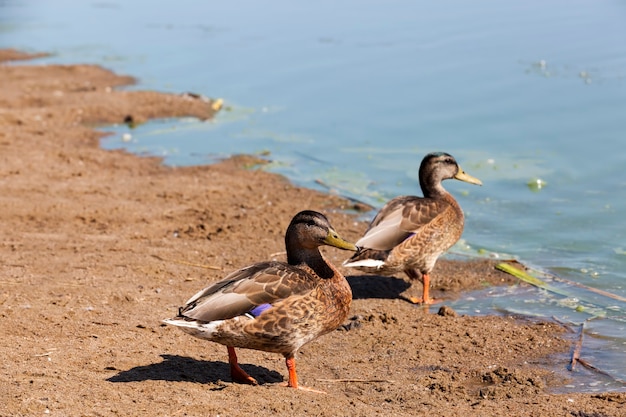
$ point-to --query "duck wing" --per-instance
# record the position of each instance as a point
(399, 219)
(243, 290)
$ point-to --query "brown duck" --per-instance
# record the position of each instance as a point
(274, 306)
(409, 233)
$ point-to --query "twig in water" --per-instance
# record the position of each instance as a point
(577, 347)
(518, 270)
(600, 371)
(577, 359)
(585, 287)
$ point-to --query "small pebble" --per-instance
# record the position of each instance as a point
(447, 312)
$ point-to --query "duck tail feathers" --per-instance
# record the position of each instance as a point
(364, 263)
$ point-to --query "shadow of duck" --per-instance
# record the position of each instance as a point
(373, 286)
(185, 369)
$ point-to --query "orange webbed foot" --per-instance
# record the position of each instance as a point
(240, 376)
(237, 374)
(426, 299)
(421, 301)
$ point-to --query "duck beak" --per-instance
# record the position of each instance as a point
(333, 239)
(465, 177)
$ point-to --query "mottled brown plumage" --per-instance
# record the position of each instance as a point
(410, 233)
(275, 306)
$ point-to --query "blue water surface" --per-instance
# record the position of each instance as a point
(349, 96)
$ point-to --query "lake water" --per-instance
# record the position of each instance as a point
(353, 94)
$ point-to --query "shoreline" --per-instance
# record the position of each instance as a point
(98, 246)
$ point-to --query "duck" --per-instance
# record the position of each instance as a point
(275, 306)
(410, 233)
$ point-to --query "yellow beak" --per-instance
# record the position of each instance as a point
(465, 177)
(333, 239)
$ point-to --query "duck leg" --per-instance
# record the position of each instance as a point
(293, 376)
(236, 373)
(291, 368)
(426, 299)
(425, 278)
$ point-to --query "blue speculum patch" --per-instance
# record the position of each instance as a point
(256, 311)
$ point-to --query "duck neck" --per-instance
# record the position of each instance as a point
(311, 258)
(432, 188)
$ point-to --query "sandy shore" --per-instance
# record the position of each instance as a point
(98, 246)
